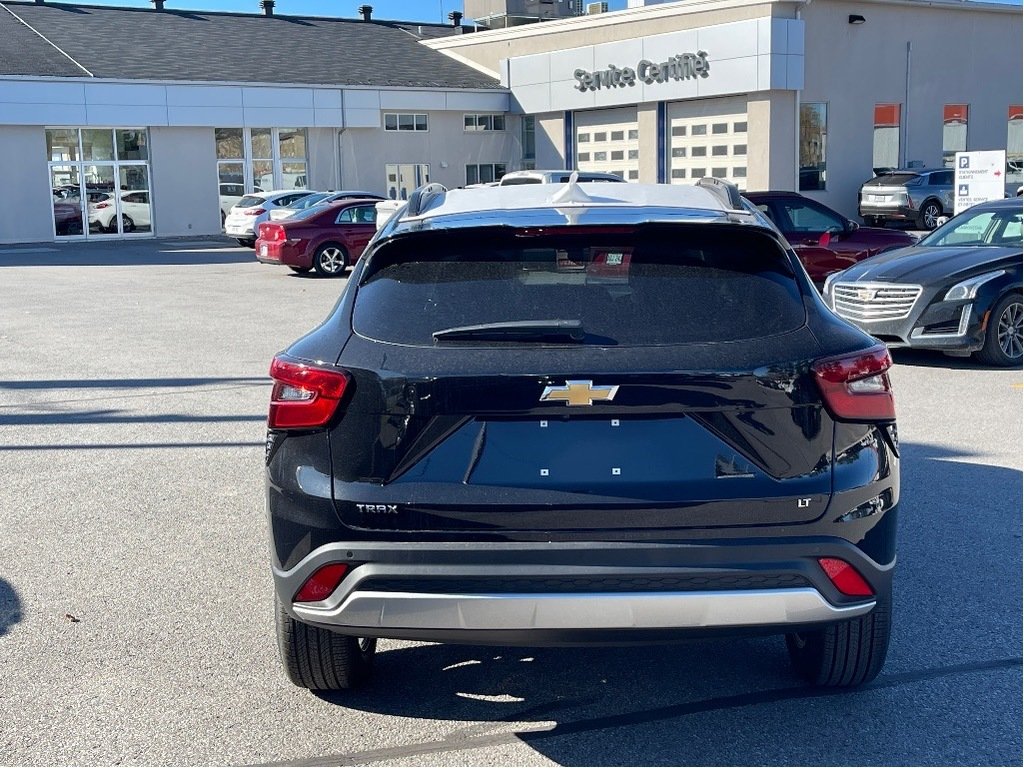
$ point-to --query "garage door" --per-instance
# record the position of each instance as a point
(708, 145)
(608, 141)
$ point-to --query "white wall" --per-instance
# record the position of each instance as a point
(960, 55)
(183, 182)
(26, 216)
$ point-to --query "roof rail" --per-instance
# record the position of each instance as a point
(724, 190)
(424, 197)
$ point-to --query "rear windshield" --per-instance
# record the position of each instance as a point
(661, 285)
(250, 201)
(895, 180)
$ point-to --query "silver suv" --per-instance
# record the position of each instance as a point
(917, 195)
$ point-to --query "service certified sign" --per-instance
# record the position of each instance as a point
(980, 177)
(685, 66)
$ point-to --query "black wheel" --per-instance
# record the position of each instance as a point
(319, 659)
(330, 260)
(246, 243)
(929, 215)
(845, 654)
(1003, 337)
(300, 270)
(127, 225)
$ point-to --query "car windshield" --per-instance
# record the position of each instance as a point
(250, 201)
(307, 213)
(979, 228)
(309, 200)
(656, 285)
(896, 179)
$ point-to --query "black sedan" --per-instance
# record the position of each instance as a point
(958, 290)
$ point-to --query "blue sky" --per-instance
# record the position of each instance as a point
(411, 10)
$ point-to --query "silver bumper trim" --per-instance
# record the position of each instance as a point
(647, 610)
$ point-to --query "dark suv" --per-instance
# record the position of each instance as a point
(581, 413)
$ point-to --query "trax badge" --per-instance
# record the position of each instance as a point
(385, 509)
(578, 393)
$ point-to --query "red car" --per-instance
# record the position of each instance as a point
(327, 238)
(825, 240)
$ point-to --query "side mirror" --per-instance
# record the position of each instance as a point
(851, 226)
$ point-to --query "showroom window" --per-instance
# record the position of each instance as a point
(885, 152)
(1014, 149)
(258, 160)
(813, 131)
(954, 132)
(405, 121)
(100, 181)
(528, 136)
(403, 178)
(483, 122)
(484, 173)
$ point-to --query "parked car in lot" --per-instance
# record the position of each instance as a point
(554, 177)
(825, 241)
(327, 238)
(320, 198)
(135, 211)
(958, 290)
(252, 210)
(915, 195)
(537, 417)
(230, 194)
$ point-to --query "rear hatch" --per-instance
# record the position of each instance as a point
(889, 189)
(655, 377)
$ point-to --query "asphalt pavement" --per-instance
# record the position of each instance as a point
(136, 619)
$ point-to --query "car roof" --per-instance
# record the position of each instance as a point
(572, 203)
(279, 192)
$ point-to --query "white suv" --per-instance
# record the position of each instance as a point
(247, 214)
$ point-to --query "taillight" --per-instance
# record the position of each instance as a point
(102, 205)
(252, 211)
(272, 232)
(304, 396)
(856, 387)
(844, 576)
(324, 580)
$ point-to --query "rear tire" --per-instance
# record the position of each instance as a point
(929, 216)
(1003, 335)
(330, 260)
(319, 659)
(845, 654)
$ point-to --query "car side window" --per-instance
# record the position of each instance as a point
(345, 217)
(366, 214)
(942, 178)
(811, 218)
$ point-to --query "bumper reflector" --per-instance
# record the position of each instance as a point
(322, 583)
(845, 577)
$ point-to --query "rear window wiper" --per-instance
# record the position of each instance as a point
(516, 330)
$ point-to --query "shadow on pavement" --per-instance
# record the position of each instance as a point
(956, 644)
(127, 253)
(923, 358)
(10, 607)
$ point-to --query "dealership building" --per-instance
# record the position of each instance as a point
(122, 122)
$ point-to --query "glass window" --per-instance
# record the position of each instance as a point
(403, 178)
(263, 174)
(739, 173)
(700, 130)
(421, 122)
(528, 136)
(293, 176)
(600, 157)
(699, 152)
(954, 132)
(720, 150)
(813, 131)
(678, 151)
(583, 157)
(806, 217)
(472, 174)
(583, 138)
(698, 173)
(1001, 228)
(97, 144)
(391, 122)
(624, 287)
(406, 123)
(229, 143)
(885, 153)
(719, 173)
(718, 128)
(740, 127)
(634, 175)
(1014, 146)
(262, 144)
(678, 173)
(136, 215)
(634, 154)
(62, 144)
(618, 135)
(739, 149)
(618, 155)
(131, 145)
(634, 134)
(678, 130)
(292, 143)
(499, 122)
(346, 216)
(601, 136)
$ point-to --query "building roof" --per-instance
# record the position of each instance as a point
(71, 40)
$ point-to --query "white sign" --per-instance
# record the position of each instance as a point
(980, 177)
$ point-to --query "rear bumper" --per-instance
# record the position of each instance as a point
(887, 211)
(580, 592)
(283, 253)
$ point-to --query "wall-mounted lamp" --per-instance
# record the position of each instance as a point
(855, 18)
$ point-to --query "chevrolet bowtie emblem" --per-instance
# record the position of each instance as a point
(578, 393)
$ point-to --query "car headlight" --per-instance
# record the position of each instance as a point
(968, 289)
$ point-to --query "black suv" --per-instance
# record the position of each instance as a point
(581, 413)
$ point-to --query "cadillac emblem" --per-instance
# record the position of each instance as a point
(866, 294)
